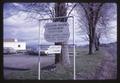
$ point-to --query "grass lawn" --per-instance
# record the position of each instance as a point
(22, 75)
(86, 66)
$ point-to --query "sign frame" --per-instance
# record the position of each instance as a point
(39, 62)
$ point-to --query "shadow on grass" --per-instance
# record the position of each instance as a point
(13, 68)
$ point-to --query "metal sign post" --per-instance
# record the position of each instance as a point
(74, 76)
(39, 53)
(74, 50)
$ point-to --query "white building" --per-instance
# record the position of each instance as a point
(16, 45)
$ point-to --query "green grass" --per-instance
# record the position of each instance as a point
(22, 75)
(86, 66)
(61, 73)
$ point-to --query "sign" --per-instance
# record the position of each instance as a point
(53, 49)
(57, 32)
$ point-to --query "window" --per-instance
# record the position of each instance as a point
(18, 45)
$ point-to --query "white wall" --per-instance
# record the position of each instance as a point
(14, 45)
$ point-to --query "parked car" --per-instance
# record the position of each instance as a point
(9, 50)
(36, 52)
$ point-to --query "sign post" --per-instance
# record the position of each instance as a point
(39, 54)
(74, 50)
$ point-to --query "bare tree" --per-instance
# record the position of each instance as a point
(107, 15)
(61, 10)
(95, 16)
(91, 13)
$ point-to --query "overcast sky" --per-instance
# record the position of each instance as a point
(17, 26)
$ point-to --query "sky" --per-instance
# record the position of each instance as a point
(18, 26)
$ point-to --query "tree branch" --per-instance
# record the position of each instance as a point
(72, 9)
(97, 13)
(52, 13)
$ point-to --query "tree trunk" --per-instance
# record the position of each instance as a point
(91, 31)
(58, 57)
(65, 54)
(97, 44)
(63, 58)
(90, 45)
(90, 48)
(92, 40)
